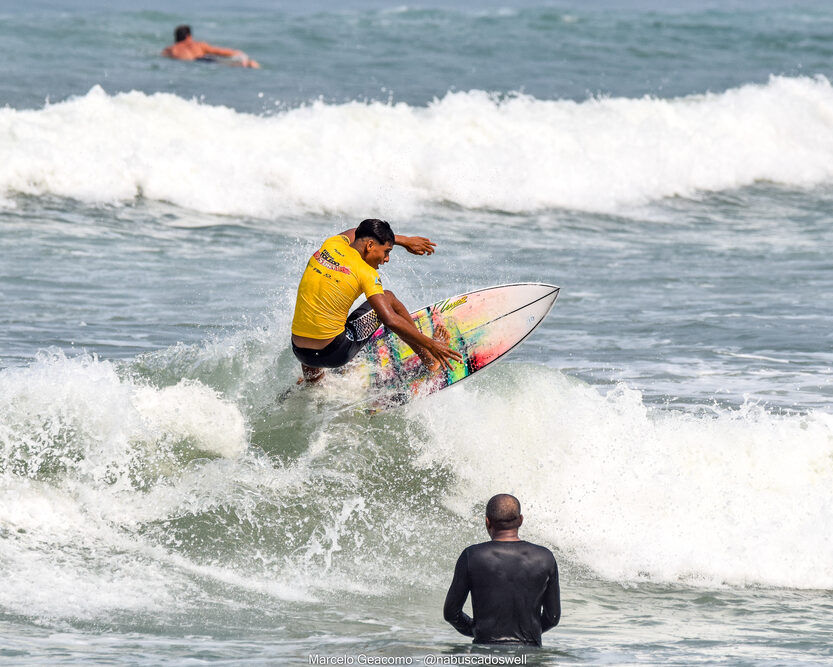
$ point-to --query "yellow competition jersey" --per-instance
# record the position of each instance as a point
(334, 278)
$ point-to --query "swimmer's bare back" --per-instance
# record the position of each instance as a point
(192, 50)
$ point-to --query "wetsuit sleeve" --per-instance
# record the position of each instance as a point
(551, 611)
(456, 598)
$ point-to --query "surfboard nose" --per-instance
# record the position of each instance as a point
(544, 294)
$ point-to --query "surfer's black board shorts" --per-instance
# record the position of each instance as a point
(359, 327)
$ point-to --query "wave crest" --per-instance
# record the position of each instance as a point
(471, 149)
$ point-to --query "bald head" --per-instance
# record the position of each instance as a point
(504, 512)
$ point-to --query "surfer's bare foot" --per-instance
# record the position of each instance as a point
(427, 359)
(311, 374)
(431, 362)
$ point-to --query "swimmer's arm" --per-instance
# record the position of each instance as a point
(456, 598)
(416, 245)
(218, 50)
(244, 60)
(551, 612)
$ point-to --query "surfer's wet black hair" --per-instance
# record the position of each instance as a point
(181, 32)
(378, 230)
(503, 511)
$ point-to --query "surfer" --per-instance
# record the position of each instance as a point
(186, 47)
(324, 335)
(513, 583)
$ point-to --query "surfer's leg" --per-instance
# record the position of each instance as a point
(361, 325)
(398, 306)
(313, 362)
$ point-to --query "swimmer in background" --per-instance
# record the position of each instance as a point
(186, 48)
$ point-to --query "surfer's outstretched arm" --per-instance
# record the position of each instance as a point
(416, 245)
(396, 317)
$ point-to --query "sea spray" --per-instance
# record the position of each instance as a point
(76, 416)
(349, 503)
(635, 493)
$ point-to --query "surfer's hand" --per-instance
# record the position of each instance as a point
(444, 354)
(417, 245)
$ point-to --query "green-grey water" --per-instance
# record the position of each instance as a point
(667, 428)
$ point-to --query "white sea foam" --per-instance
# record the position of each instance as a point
(78, 416)
(132, 498)
(88, 459)
(516, 154)
(731, 497)
(61, 561)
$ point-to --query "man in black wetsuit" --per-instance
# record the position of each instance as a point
(514, 584)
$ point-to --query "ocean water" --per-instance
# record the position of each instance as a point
(668, 429)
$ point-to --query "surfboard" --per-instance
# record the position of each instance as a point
(484, 325)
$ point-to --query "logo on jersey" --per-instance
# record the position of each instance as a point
(326, 260)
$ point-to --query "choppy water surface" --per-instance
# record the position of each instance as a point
(667, 429)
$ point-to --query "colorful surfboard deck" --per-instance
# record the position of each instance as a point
(483, 326)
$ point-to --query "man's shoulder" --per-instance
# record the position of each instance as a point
(340, 245)
(543, 551)
(522, 545)
(338, 239)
